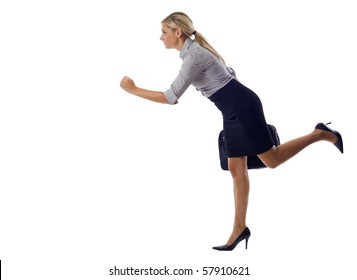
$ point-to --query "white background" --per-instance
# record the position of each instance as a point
(92, 177)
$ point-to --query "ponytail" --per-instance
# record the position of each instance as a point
(182, 21)
(200, 39)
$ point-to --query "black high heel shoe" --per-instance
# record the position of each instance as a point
(243, 236)
(338, 143)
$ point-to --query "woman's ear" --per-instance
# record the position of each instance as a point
(179, 32)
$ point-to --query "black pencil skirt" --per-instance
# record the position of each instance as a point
(245, 129)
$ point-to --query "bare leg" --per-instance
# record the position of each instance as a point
(272, 158)
(239, 172)
(278, 155)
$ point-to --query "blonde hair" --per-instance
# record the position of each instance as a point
(180, 20)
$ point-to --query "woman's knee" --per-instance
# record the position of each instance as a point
(270, 158)
(237, 166)
(235, 172)
(271, 164)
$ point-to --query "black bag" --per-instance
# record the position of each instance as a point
(254, 162)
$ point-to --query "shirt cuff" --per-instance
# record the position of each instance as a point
(170, 96)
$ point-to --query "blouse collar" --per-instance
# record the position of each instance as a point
(185, 47)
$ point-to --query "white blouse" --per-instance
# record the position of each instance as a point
(200, 68)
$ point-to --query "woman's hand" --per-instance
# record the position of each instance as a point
(127, 84)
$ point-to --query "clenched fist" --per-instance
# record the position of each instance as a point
(127, 84)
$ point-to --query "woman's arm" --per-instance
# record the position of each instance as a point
(157, 96)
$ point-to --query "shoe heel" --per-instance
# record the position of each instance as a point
(243, 236)
(339, 143)
(246, 243)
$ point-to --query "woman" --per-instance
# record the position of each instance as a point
(245, 129)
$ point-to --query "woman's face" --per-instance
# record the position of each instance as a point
(169, 37)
